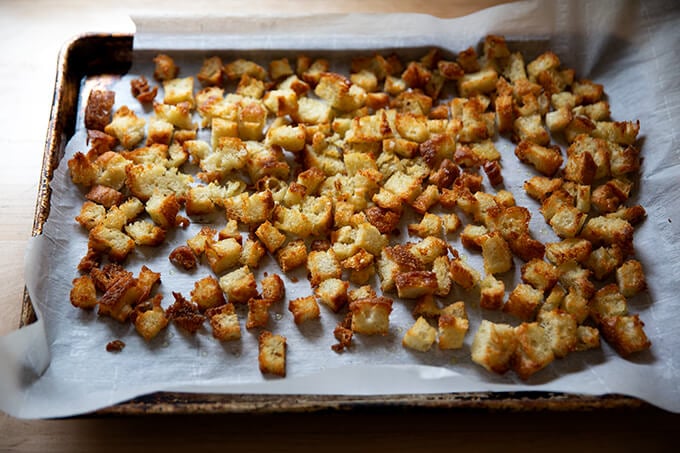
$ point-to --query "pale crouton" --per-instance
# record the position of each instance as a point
(223, 255)
(333, 293)
(370, 316)
(420, 336)
(239, 285)
(452, 326)
(492, 293)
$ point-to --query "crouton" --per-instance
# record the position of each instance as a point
(420, 336)
(625, 334)
(224, 323)
(292, 255)
(630, 278)
(493, 346)
(207, 293)
(304, 309)
(83, 293)
(533, 351)
(370, 316)
(452, 326)
(332, 292)
(150, 318)
(272, 353)
(273, 288)
(258, 312)
(239, 285)
(523, 302)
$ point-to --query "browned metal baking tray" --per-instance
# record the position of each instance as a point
(112, 54)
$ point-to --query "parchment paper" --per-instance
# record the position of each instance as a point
(59, 366)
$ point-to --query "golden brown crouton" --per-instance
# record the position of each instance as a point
(83, 292)
(523, 302)
(150, 318)
(625, 334)
(533, 351)
(631, 278)
(546, 160)
(323, 265)
(272, 353)
(493, 346)
(540, 274)
(411, 285)
(258, 312)
(304, 309)
(185, 314)
(292, 255)
(272, 288)
(207, 293)
(463, 274)
(224, 322)
(496, 254)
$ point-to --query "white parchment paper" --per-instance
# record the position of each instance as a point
(59, 366)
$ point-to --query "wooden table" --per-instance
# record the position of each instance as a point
(31, 34)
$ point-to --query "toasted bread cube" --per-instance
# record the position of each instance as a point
(223, 255)
(119, 298)
(83, 293)
(604, 230)
(333, 293)
(239, 285)
(540, 187)
(291, 138)
(323, 265)
(370, 316)
(340, 93)
(453, 325)
(163, 209)
(237, 68)
(281, 102)
(523, 302)
(116, 244)
(150, 322)
(179, 115)
(625, 334)
(533, 351)
(561, 330)
(207, 293)
(420, 336)
(430, 225)
(426, 306)
(608, 302)
(588, 338)
(554, 300)
(546, 160)
(312, 111)
(580, 168)
(451, 222)
(411, 285)
(127, 127)
(388, 269)
(569, 249)
(496, 254)
(304, 309)
(258, 312)
(480, 82)
(105, 196)
(493, 346)
(492, 293)
(558, 119)
(273, 288)
(211, 72)
(165, 68)
(145, 233)
(473, 236)
(463, 274)
(179, 90)
(603, 261)
(405, 186)
(440, 267)
(540, 274)
(568, 221)
(250, 87)
(530, 128)
(91, 214)
(200, 241)
(270, 236)
(292, 255)
(224, 323)
(272, 353)
(576, 304)
(573, 276)
(630, 278)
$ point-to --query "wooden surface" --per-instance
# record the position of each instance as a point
(31, 34)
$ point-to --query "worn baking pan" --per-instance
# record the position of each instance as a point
(110, 55)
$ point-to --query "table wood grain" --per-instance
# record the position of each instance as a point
(31, 34)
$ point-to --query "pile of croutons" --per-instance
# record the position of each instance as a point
(326, 171)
